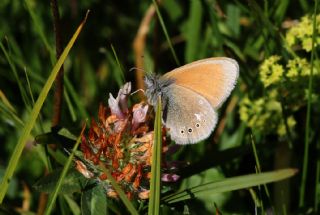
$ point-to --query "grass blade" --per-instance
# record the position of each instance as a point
(317, 178)
(306, 140)
(53, 197)
(119, 76)
(166, 33)
(34, 114)
(194, 31)
(75, 98)
(258, 167)
(7, 109)
(231, 184)
(155, 186)
(39, 29)
(23, 93)
(217, 37)
(118, 189)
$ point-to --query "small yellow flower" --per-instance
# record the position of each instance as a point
(282, 131)
(271, 71)
(301, 34)
(307, 44)
(291, 39)
(297, 67)
(263, 114)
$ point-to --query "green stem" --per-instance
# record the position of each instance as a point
(166, 33)
(307, 132)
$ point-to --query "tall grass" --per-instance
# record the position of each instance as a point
(308, 115)
(227, 172)
(33, 116)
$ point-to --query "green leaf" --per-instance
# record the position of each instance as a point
(155, 181)
(73, 206)
(193, 31)
(23, 92)
(230, 184)
(205, 177)
(174, 9)
(58, 135)
(76, 98)
(166, 33)
(94, 201)
(235, 49)
(73, 182)
(217, 37)
(34, 115)
(39, 28)
(52, 198)
(118, 74)
(281, 10)
(233, 14)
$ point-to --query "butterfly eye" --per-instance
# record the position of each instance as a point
(197, 125)
(190, 130)
(182, 131)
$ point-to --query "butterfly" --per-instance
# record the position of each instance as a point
(191, 95)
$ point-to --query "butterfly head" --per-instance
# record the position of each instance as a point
(156, 85)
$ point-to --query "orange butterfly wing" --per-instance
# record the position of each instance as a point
(213, 78)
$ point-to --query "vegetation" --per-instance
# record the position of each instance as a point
(70, 147)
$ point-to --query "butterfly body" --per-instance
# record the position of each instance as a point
(191, 95)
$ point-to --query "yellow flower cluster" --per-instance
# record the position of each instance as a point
(271, 71)
(281, 130)
(297, 67)
(301, 34)
(296, 70)
(265, 115)
(285, 81)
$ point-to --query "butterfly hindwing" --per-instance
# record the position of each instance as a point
(188, 116)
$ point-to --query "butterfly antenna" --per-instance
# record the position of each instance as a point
(138, 90)
(136, 68)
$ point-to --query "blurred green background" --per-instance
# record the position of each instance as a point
(272, 42)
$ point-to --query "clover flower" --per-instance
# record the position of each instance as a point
(122, 140)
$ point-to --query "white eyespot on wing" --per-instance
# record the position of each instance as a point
(188, 122)
(198, 116)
